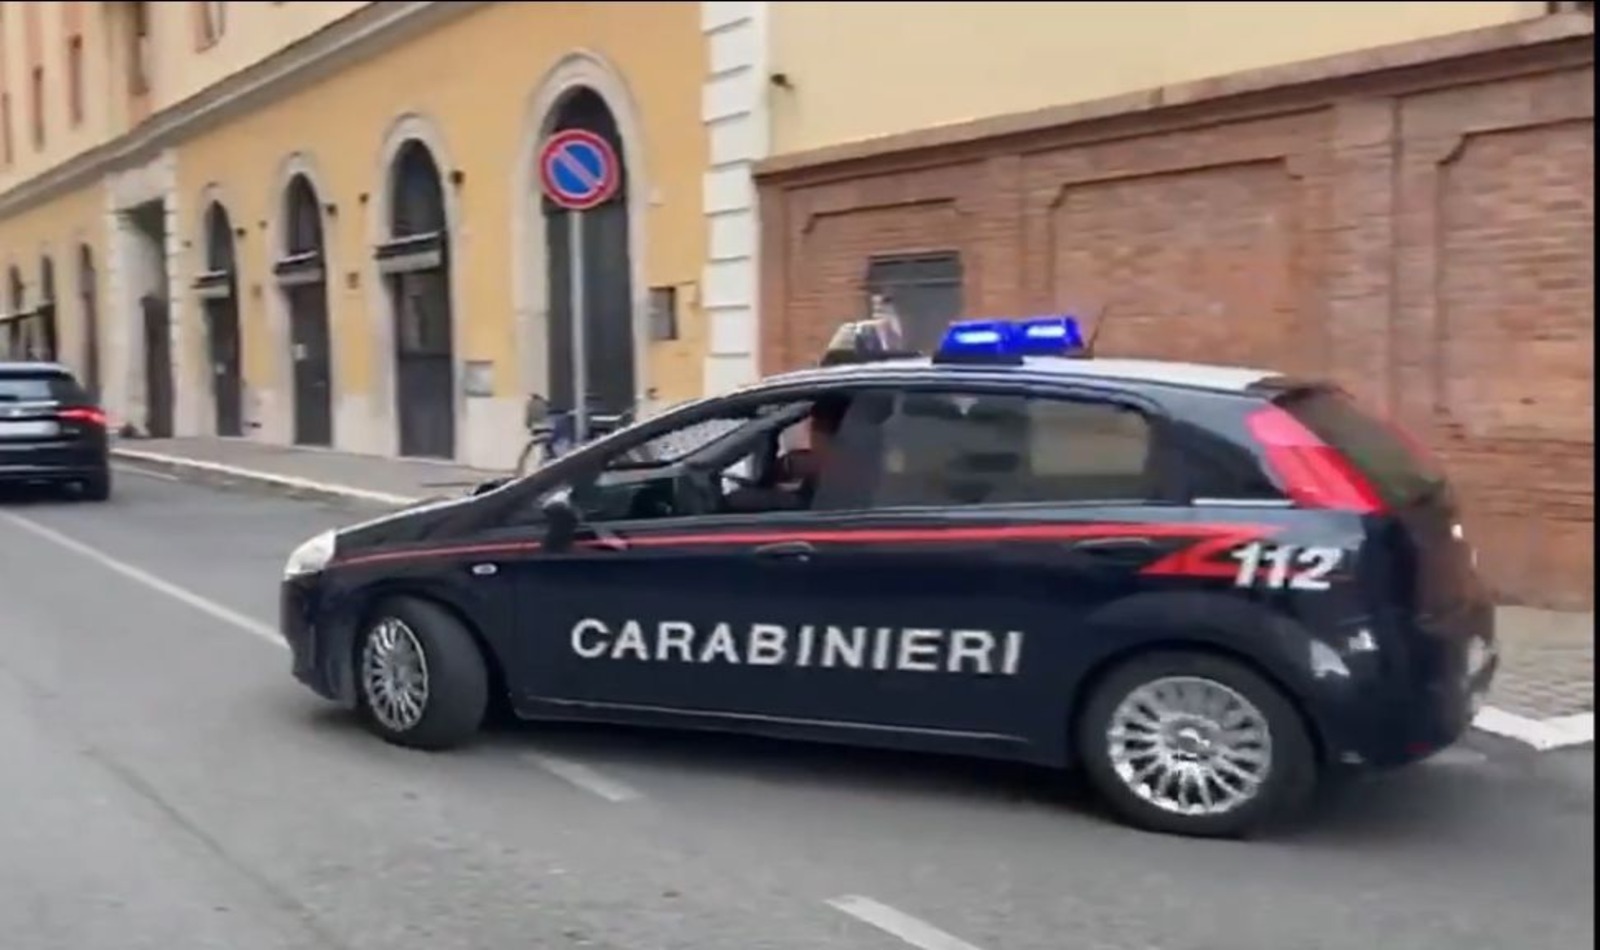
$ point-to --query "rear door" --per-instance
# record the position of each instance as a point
(1437, 564)
(996, 520)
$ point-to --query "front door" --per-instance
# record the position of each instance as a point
(424, 365)
(663, 621)
(227, 382)
(313, 376)
(157, 367)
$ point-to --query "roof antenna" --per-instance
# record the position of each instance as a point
(1094, 335)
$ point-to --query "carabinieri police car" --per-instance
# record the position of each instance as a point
(1206, 587)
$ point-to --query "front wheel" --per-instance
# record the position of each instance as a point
(1194, 744)
(421, 679)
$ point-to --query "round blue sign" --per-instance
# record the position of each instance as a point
(578, 170)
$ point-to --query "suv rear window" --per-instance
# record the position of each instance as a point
(1401, 470)
(39, 387)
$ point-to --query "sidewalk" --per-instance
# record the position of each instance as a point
(316, 472)
(1543, 693)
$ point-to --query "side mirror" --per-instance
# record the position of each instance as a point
(562, 521)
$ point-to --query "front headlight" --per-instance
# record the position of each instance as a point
(310, 557)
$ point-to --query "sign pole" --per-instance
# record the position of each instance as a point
(580, 325)
(579, 171)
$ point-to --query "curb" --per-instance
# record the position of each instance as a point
(1543, 735)
(286, 484)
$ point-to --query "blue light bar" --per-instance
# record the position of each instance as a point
(1009, 340)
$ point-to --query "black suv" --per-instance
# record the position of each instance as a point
(51, 431)
(1206, 586)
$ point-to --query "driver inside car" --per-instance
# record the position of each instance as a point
(798, 471)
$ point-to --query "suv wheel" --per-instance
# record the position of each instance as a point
(421, 680)
(97, 487)
(1193, 744)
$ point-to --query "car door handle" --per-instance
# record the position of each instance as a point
(1124, 550)
(786, 551)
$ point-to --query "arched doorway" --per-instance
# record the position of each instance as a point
(607, 283)
(217, 290)
(89, 307)
(302, 277)
(16, 341)
(46, 339)
(415, 264)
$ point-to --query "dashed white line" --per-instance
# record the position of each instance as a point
(584, 777)
(897, 923)
(140, 576)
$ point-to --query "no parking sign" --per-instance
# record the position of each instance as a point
(578, 172)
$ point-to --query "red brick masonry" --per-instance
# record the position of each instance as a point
(1417, 221)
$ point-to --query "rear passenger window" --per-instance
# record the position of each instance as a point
(948, 449)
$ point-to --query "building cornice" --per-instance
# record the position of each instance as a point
(364, 33)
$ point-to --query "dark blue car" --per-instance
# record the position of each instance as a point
(1207, 587)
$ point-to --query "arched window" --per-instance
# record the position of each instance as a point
(415, 267)
(89, 307)
(15, 341)
(46, 332)
(302, 216)
(302, 279)
(217, 290)
(416, 205)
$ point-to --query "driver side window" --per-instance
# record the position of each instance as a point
(722, 464)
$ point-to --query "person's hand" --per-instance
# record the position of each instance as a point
(798, 465)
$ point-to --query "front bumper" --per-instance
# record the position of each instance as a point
(318, 644)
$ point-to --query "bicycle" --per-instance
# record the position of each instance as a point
(552, 435)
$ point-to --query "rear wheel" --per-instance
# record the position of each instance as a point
(421, 680)
(96, 487)
(1194, 744)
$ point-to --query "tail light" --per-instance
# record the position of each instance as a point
(1314, 474)
(84, 416)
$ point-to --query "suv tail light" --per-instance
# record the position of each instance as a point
(87, 416)
(1314, 474)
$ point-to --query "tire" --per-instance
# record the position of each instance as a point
(453, 669)
(97, 487)
(1284, 785)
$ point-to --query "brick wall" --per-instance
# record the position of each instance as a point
(1424, 234)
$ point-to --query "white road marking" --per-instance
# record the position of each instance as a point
(1542, 734)
(914, 931)
(140, 576)
(584, 777)
(147, 473)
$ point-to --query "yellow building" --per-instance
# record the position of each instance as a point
(321, 223)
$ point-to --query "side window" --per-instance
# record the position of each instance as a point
(943, 449)
(735, 468)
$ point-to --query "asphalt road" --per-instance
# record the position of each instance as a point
(166, 784)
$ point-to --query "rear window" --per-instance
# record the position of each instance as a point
(39, 387)
(1401, 469)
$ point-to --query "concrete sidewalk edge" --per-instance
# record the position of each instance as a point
(178, 465)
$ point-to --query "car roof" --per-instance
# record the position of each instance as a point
(17, 368)
(1046, 369)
